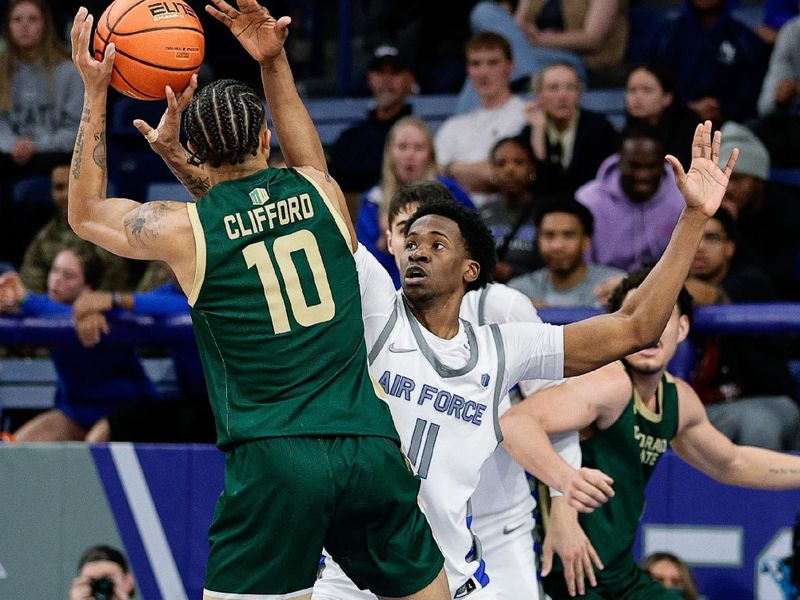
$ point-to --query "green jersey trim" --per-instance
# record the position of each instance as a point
(199, 251)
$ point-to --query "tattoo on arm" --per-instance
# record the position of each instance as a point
(197, 186)
(99, 152)
(784, 471)
(145, 224)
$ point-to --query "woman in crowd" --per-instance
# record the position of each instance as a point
(650, 97)
(41, 96)
(511, 213)
(672, 573)
(408, 157)
(92, 382)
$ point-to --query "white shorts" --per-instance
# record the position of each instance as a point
(507, 544)
(333, 584)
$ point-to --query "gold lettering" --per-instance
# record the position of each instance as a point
(260, 217)
(229, 221)
(242, 227)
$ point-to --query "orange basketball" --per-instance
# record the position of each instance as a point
(158, 44)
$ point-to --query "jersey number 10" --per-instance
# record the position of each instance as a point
(256, 255)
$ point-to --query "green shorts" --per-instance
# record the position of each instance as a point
(622, 579)
(285, 498)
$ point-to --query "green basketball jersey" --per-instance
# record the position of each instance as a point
(628, 451)
(276, 309)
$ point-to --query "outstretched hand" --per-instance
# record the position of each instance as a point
(95, 74)
(259, 33)
(165, 137)
(704, 185)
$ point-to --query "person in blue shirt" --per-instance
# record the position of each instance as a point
(92, 382)
(408, 157)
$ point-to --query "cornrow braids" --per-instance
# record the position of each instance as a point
(223, 123)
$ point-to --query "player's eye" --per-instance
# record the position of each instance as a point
(411, 246)
(438, 245)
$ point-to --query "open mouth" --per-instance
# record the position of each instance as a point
(414, 272)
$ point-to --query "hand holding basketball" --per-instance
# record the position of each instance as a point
(96, 74)
(165, 137)
(260, 34)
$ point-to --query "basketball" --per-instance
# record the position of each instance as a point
(158, 44)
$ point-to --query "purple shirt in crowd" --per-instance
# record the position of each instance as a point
(628, 234)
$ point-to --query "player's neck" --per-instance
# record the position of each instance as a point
(646, 385)
(228, 172)
(437, 315)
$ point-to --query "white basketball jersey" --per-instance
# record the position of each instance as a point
(446, 416)
(503, 486)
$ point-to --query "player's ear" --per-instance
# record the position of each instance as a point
(389, 248)
(472, 271)
(683, 328)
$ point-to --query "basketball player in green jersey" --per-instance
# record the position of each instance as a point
(265, 258)
(628, 413)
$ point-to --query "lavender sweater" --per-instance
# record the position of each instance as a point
(626, 233)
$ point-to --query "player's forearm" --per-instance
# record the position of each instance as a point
(298, 137)
(525, 440)
(760, 468)
(89, 171)
(474, 176)
(650, 306)
(192, 177)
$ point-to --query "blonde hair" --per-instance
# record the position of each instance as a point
(389, 181)
(51, 51)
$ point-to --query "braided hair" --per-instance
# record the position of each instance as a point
(223, 123)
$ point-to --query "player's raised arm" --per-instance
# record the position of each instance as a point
(700, 444)
(122, 226)
(263, 36)
(638, 324)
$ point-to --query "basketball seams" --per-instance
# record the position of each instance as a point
(155, 66)
(111, 28)
(149, 29)
(134, 88)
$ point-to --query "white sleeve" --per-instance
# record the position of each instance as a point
(443, 144)
(378, 295)
(533, 351)
(507, 305)
(568, 446)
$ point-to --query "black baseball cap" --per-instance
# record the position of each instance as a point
(386, 55)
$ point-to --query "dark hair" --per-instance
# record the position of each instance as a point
(91, 262)
(634, 279)
(728, 223)
(489, 40)
(663, 76)
(417, 193)
(103, 552)
(637, 129)
(477, 238)
(570, 206)
(223, 123)
(518, 141)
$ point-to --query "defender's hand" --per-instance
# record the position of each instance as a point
(704, 185)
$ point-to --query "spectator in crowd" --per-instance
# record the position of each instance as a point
(781, 88)
(766, 213)
(92, 382)
(776, 14)
(743, 380)
(511, 213)
(569, 142)
(671, 572)
(564, 237)
(416, 27)
(40, 106)
(102, 568)
(56, 235)
(591, 34)
(717, 62)
(650, 98)
(409, 157)
(356, 155)
(185, 419)
(634, 201)
(463, 142)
